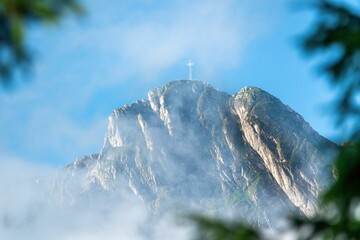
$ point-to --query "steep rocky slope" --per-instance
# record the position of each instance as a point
(246, 154)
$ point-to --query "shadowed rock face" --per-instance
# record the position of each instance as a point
(248, 154)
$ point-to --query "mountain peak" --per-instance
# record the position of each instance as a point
(190, 143)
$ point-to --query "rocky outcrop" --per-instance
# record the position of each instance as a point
(247, 154)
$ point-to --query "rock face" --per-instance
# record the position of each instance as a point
(189, 143)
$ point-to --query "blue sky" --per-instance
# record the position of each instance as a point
(86, 67)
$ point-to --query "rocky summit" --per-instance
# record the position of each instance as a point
(245, 154)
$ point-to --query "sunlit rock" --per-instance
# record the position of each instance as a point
(246, 155)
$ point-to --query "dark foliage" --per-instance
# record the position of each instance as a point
(338, 30)
(15, 17)
(215, 229)
(339, 26)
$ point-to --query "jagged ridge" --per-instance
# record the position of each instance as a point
(247, 153)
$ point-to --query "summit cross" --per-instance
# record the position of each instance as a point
(190, 64)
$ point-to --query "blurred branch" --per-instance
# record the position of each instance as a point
(339, 26)
(216, 229)
(15, 17)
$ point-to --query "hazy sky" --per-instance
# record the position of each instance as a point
(87, 67)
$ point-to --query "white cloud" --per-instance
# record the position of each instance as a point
(26, 211)
(153, 39)
(214, 33)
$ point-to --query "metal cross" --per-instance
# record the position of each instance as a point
(190, 64)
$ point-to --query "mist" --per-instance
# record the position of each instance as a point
(27, 211)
